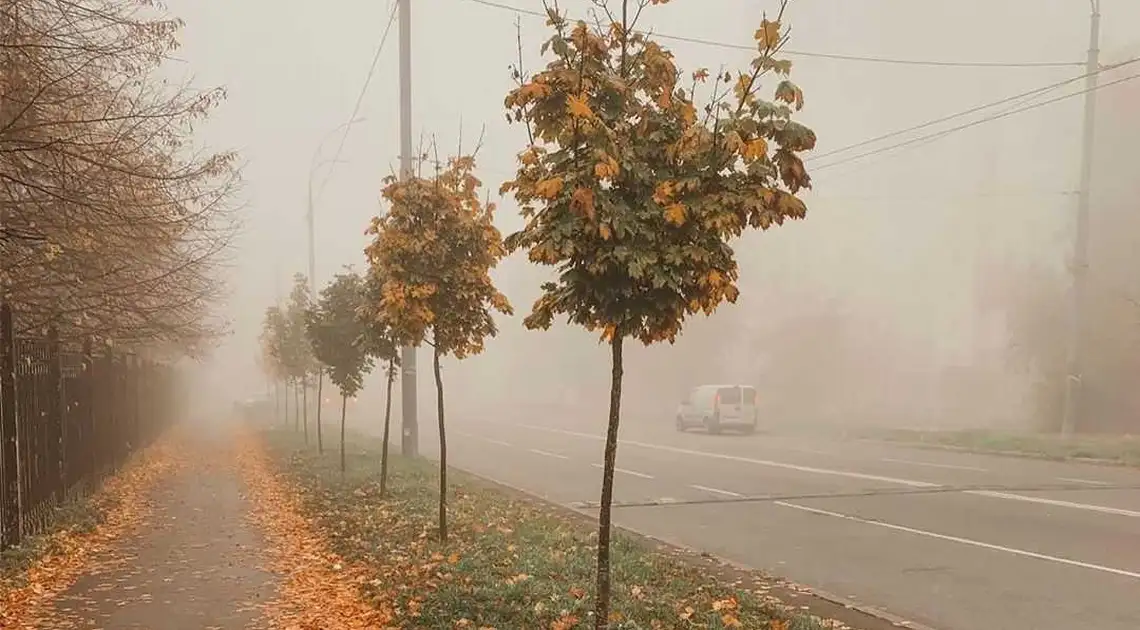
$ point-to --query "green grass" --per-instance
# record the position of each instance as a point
(511, 563)
(1119, 449)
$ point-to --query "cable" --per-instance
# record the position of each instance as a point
(940, 134)
(816, 55)
(360, 97)
(974, 110)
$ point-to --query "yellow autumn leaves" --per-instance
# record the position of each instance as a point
(432, 255)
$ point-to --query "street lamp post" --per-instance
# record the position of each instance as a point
(314, 166)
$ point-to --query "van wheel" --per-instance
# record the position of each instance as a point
(680, 424)
(712, 425)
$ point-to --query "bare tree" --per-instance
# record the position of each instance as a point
(116, 224)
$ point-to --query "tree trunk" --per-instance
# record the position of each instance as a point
(296, 408)
(320, 400)
(387, 424)
(602, 601)
(276, 400)
(343, 406)
(442, 450)
(305, 406)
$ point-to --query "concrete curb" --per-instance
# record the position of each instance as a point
(1000, 453)
(829, 605)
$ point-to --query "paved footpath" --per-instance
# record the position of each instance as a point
(195, 564)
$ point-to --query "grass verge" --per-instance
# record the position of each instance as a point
(78, 516)
(1123, 450)
(511, 562)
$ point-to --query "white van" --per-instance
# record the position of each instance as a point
(718, 407)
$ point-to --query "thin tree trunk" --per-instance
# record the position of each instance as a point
(305, 406)
(296, 408)
(320, 400)
(602, 601)
(442, 450)
(343, 406)
(276, 400)
(387, 425)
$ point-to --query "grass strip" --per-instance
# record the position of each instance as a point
(512, 562)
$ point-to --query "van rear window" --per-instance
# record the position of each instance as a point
(729, 395)
(749, 395)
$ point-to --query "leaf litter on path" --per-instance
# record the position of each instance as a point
(318, 589)
(123, 503)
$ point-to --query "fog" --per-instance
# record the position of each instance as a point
(925, 288)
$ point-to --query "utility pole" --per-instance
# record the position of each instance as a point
(1073, 382)
(410, 431)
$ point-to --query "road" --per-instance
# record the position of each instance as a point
(951, 541)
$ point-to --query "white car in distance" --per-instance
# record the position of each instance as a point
(716, 408)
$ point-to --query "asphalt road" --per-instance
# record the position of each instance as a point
(950, 541)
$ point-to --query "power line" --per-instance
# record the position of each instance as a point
(360, 97)
(818, 55)
(975, 123)
(973, 110)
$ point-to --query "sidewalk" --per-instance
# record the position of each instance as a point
(196, 563)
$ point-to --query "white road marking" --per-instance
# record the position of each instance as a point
(726, 493)
(628, 472)
(1089, 482)
(547, 454)
(1055, 502)
(479, 437)
(760, 462)
(964, 541)
(849, 474)
(931, 465)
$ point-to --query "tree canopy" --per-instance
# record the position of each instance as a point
(337, 335)
(632, 189)
(273, 338)
(296, 351)
(117, 222)
(431, 258)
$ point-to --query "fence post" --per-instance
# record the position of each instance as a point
(54, 464)
(134, 374)
(87, 415)
(10, 475)
(111, 415)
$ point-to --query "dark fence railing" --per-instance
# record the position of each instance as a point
(69, 417)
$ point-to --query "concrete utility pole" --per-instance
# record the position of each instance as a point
(410, 433)
(1073, 383)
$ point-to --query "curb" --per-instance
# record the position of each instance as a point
(857, 617)
(1000, 453)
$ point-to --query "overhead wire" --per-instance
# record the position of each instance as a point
(975, 123)
(817, 55)
(360, 97)
(973, 110)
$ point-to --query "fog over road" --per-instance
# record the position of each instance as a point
(952, 541)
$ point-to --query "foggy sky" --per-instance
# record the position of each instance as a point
(896, 236)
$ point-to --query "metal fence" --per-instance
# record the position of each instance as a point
(69, 417)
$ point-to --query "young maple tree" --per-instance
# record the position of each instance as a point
(632, 189)
(433, 254)
(298, 353)
(336, 335)
(382, 344)
(272, 338)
